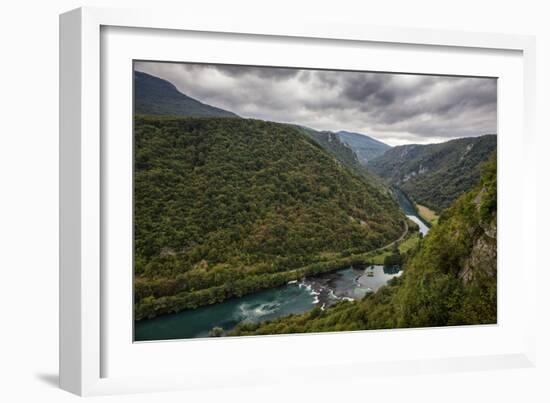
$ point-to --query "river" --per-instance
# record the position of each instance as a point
(409, 210)
(296, 297)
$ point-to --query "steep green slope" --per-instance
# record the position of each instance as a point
(155, 96)
(228, 206)
(435, 175)
(449, 280)
(332, 143)
(364, 146)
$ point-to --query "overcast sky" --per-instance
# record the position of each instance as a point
(394, 108)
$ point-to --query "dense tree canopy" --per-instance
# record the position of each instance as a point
(227, 206)
(435, 175)
(449, 280)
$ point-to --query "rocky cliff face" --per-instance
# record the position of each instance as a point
(483, 257)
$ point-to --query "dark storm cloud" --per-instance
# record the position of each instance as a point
(261, 72)
(396, 108)
(367, 88)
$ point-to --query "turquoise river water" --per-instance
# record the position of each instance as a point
(296, 297)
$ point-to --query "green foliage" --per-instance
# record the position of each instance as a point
(435, 175)
(347, 155)
(229, 206)
(450, 279)
(331, 142)
(394, 259)
(216, 332)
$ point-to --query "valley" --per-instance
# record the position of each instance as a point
(247, 226)
(435, 175)
(296, 297)
(252, 206)
(448, 280)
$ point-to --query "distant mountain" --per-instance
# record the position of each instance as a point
(435, 175)
(364, 146)
(155, 96)
(344, 154)
(332, 143)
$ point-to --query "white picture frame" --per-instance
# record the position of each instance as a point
(85, 343)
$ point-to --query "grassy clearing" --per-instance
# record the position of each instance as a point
(427, 214)
(410, 241)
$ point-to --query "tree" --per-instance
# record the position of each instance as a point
(216, 332)
(393, 260)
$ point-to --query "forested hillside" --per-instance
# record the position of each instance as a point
(228, 206)
(155, 96)
(333, 143)
(435, 175)
(451, 279)
(364, 146)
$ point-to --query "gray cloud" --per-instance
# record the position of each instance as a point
(261, 72)
(395, 108)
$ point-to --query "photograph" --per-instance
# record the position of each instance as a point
(285, 200)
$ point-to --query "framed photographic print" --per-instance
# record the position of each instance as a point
(248, 226)
(237, 198)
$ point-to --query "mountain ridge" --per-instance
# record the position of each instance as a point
(345, 154)
(435, 175)
(156, 96)
(365, 147)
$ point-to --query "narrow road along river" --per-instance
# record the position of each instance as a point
(296, 297)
